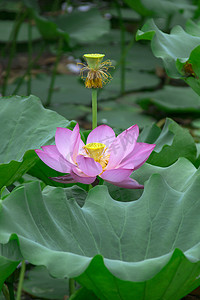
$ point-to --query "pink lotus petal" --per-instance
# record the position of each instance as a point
(75, 143)
(73, 178)
(128, 139)
(81, 179)
(51, 150)
(116, 175)
(129, 183)
(88, 165)
(138, 156)
(62, 139)
(101, 134)
(54, 160)
(122, 146)
(64, 179)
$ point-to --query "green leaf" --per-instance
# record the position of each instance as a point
(134, 81)
(161, 8)
(139, 7)
(10, 257)
(25, 125)
(178, 176)
(136, 250)
(83, 293)
(40, 284)
(171, 99)
(122, 116)
(23, 32)
(67, 91)
(172, 48)
(83, 27)
(172, 143)
(78, 27)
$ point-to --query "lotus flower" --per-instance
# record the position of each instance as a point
(111, 158)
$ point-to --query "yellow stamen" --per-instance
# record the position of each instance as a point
(95, 150)
(97, 71)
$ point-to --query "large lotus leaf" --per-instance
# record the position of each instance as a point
(9, 259)
(174, 48)
(193, 28)
(171, 99)
(145, 249)
(160, 7)
(172, 142)
(25, 125)
(190, 69)
(178, 176)
(80, 27)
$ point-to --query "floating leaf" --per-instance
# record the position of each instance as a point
(134, 81)
(23, 32)
(30, 126)
(124, 254)
(171, 99)
(90, 26)
(122, 116)
(160, 8)
(67, 90)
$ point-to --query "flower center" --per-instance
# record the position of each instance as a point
(94, 60)
(95, 150)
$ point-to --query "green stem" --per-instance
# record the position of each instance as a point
(72, 288)
(29, 57)
(28, 70)
(11, 290)
(55, 5)
(123, 46)
(12, 51)
(21, 280)
(53, 77)
(94, 108)
(6, 292)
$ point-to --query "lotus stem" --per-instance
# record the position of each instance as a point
(94, 108)
(21, 280)
(6, 292)
(28, 70)
(123, 46)
(53, 77)
(11, 290)
(72, 288)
